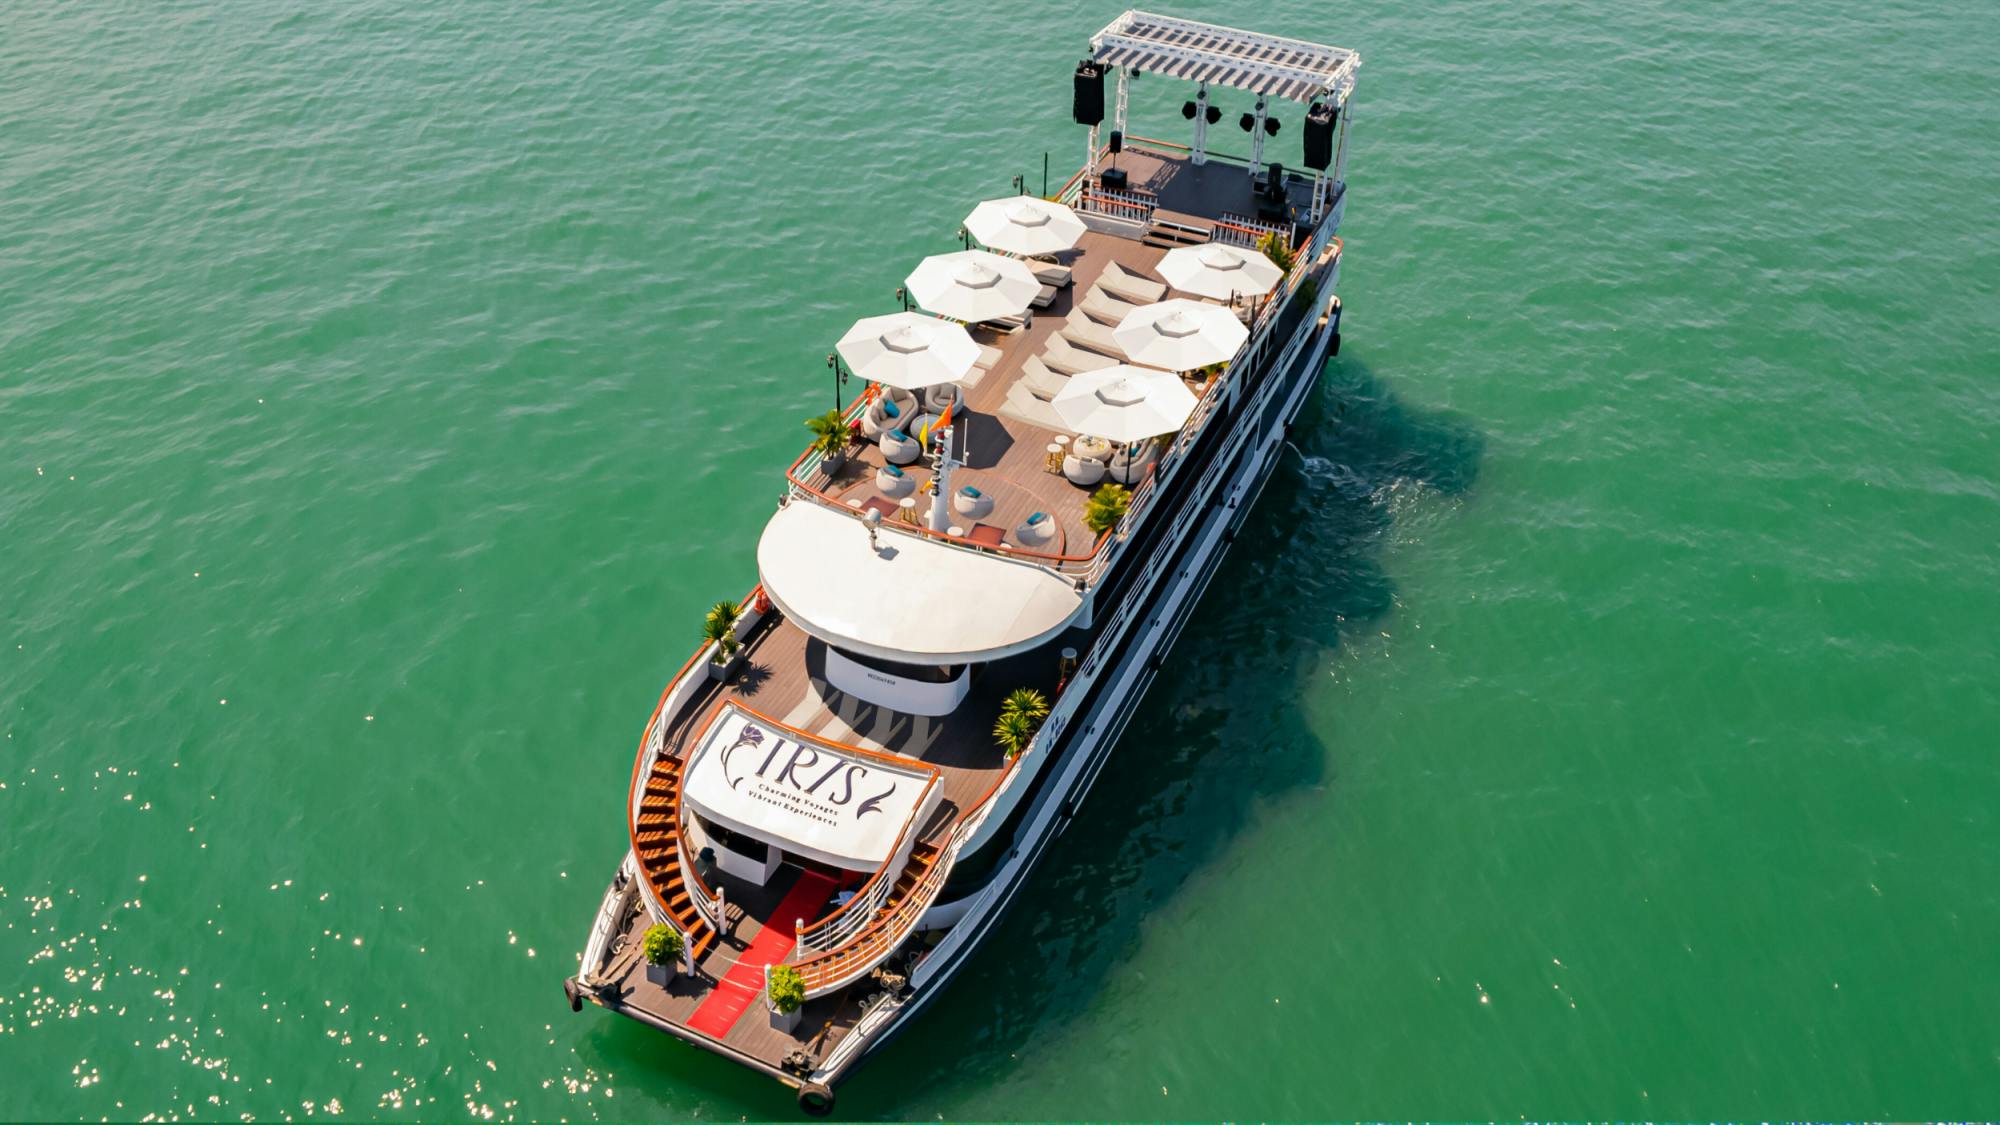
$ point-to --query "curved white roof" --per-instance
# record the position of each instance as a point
(912, 600)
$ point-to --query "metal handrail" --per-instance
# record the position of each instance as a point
(830, 932)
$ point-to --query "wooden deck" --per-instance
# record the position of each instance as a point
(783, 677)
(822, 1021)
(1007, 458)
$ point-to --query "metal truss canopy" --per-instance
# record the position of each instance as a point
(1224, 56)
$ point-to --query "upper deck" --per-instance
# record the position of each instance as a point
(1013, 446)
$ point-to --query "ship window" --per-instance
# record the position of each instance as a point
(923, 673)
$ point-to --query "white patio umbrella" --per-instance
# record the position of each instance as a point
(1220, 271)
(973, 285)
(1124, 403)
(908, 350)
(1180, 335)
(1023, 224)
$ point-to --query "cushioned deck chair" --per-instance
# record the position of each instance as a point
(1089, 334)
(1051, 273)
(1121, 283)
(1104, 306)
(1023, 406)
(1040, 381)
(1060, 355)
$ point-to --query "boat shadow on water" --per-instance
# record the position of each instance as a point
(1221, 731)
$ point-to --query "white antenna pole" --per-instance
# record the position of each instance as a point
(1199, 156)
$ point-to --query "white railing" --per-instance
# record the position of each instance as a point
(1127, 205)
(1242, 230)
(831, 933)
(911, 909)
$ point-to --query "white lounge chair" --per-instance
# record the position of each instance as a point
(1044, 297)
(1036, 530)
(1085, 471)
(894, 482)
(971, 503)
(1089, 334)
(1128, 467)
(899, 448)
(1061, 356)
(1023, 406)
(892, 407)
(1040, 381)
(936, 398)
(1105, 307)
(1051, 273)
(1120, 283)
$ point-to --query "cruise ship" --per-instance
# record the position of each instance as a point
(1025, 481)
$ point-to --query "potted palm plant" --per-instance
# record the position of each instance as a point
(786, 991)
(719, 628)
(1021, 715)
(663, 953)
(1106, 507)
(1277, 248)
(830, 438)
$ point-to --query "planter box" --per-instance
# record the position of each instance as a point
(781, 1021)
(722, 672)
(661, 975)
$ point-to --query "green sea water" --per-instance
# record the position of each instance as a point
(1598, 716)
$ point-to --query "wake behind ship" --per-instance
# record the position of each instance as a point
(977, 568)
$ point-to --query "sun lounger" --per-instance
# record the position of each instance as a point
(1044, 298)
(1051, 273)
(1023, 406)
(988, 356)
(1089, 334)
(1061, 356)
(1116, 281)
(1105, 307)
(1040, 381)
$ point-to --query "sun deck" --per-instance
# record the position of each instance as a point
(1006, 457)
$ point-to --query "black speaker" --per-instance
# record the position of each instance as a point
(1247, 122)
(1270, 126)
(1274, 182)
(1319, 136)
(1214, 114)
(1117, 142)
(1088, 104)
(1187, 110)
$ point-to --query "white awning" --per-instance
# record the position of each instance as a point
(811, 798)
(912, 600)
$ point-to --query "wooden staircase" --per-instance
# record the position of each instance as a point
(656, 841)
(883, 933)
(1169, 234)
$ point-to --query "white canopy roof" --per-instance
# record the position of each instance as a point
(829, 803)
(1180, 335)
(913, 600)
(1219, 270)
(909, 350)
(1124, 403)
(1023, 224)
(973, 285)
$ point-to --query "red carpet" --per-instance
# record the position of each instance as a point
(745, 979)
